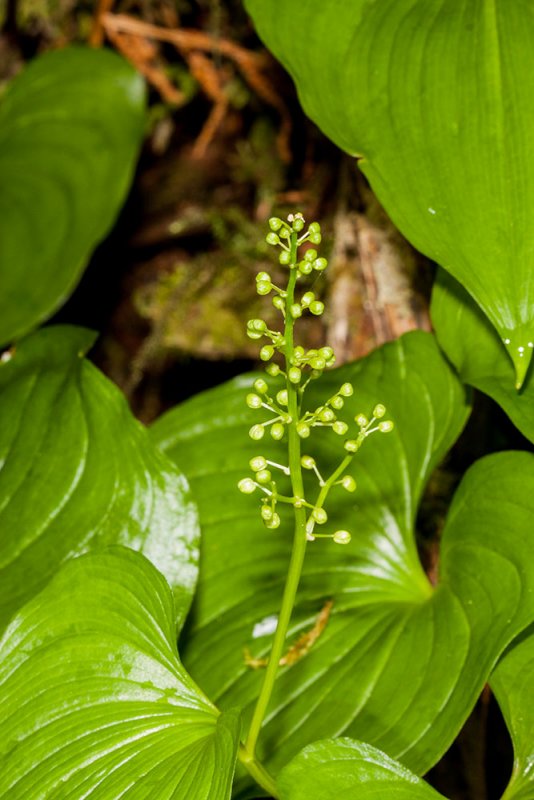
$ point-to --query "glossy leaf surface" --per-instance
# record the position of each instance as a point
(436, 97)
(95, 702)
(398, 663)
(513, 684)
(345, 768)
(335, 768)
(70, 129)
(476, 351)
(77, 471)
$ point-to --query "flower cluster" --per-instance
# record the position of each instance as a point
(299, 367)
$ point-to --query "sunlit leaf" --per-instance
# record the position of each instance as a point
(335, 768)
(513, 684)
(95, 702)
(345, 768)
(77, 471)
(437, 100)
(399, 663)
(475, 349)
(70, 129)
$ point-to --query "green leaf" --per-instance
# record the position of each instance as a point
(95, 702)
(70, 129)
(399, 664)
(437, 100)
(477, 352)
(329, 769)
(77, 472)
(513, 684)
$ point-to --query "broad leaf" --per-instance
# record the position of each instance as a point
(513, 684)
(70, 129)
(77, 471)
(476, 351)
(95, 702)
(399, 664)
(437, 100)
(335, 768)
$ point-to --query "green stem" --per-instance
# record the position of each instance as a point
(256, 769)
(299, 537)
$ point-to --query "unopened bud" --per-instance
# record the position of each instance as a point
(246, 485)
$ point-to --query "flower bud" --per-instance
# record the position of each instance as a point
(348, 483)
(351, 445)
(273, 370)
(298, 353)
(314, 227)
(310, 255)
(257, 432)
(282, 397)
(294, 374)
(295, 310)
(315, 238)
(340, 427)
(305, 267)
(307, 298)
(266, 513)
(257, 325)
(246, 485)
(327, 415)
(254, 400)
(317, 308)
(260, 385)
(272, 238)
(341, 537)
(319, 515)
(379, 411)
(274, 522)
(347, 390)
(284, 258)
(263, 476)
(266, 352)
(277, 431)
(303, 430)
(317, 363)
(361, 420)
(263, 276)
(278, 302)
(275, 224)
(386, 426)
(257, 463)
(263, 287)
(308, 462)
(337, 402)
(326, 352)
(297, 224)
(320, 264)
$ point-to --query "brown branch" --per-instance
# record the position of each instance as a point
(301, 647)
(191, 43)
(96, 36)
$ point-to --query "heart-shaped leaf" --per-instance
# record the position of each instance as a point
(335, 768)
(399, 663)
(513, 684)
(345, 768)
(77, 471)
(70, 129)
(95, 702)
(475, 349)
(437, 99)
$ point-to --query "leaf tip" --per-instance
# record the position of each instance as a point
(520, 348)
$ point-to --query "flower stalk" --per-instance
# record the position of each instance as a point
(298, 369)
